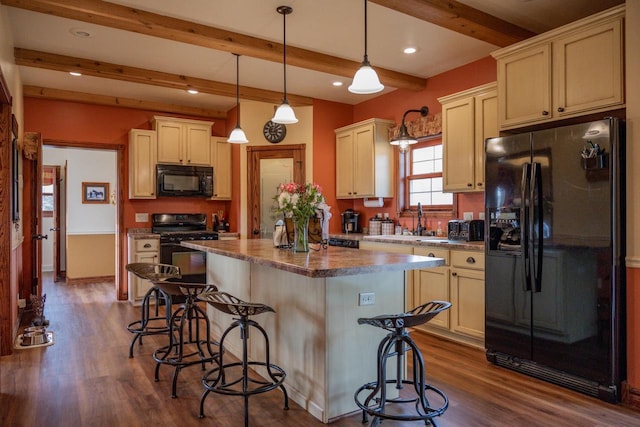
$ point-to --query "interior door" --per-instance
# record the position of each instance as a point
(35, 225)
(255, 179)
(55, 229)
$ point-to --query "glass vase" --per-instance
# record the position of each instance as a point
(300, 234)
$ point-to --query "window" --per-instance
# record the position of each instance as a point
(424, 181)
(48, 176)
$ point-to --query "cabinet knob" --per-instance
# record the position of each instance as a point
(545, 113)
(560, 109)
(471, 260)
(453, 273)
(479, 184)
(469, 184)
(431, 254)
(147, 245)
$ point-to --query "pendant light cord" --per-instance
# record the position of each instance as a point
(284, 52)
(366, 57)
(237, 90)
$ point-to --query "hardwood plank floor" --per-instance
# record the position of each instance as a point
(87, 379)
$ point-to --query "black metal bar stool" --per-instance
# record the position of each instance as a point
(396, 344)
(152, 324)
(188, 345)
(227, 378)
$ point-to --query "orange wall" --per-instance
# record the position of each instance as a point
(77, 122)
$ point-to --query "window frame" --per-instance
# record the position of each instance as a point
(405, 176)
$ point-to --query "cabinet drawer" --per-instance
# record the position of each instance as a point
(434, 252)
(467, 259)
(147, 245)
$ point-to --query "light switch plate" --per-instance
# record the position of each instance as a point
(481, 215)
(142, 217)
(468, 216)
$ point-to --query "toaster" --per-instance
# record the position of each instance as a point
(471, 230)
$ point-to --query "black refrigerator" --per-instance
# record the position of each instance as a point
(554, 239)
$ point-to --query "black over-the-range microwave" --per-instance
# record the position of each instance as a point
(184, 181)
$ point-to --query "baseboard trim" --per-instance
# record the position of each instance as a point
(630, 396)
(86, 280)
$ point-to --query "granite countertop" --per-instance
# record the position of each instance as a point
(413, 241)
(330, 262)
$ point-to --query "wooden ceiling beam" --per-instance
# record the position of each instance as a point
(152, 24)
(90, 67)
(115, 101)
(462, 19)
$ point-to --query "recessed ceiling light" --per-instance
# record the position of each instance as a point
(192, 91)
(82, 33)
(75, 73)
(337, 84)
(410, 50)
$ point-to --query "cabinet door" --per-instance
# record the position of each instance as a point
(433, 285)
(344, 165)
(142, 164)
(458, 141)
(524, 86)
(588, 69)
(141, 286)
(197, 145)
(364, 162)
(467, 302)
(221, 162)
(486, 126)
(170, 142)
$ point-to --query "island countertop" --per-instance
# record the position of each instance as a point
(330, 262)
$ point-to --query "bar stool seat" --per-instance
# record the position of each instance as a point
(152, 324)
(372, 397)
(226, 378)
(188, 345)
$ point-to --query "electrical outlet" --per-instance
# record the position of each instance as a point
(142, 217)
(367, 298)
(468, 216)
(481, 215)
(22, 303)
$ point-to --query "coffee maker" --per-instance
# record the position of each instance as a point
(350, 221)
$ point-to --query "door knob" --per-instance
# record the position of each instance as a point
(39, 236)
(55, 229)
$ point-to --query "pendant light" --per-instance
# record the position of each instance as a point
(284, 114)
(366, 80)
(237, 135)
(404, 138)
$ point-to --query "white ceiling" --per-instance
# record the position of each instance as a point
(333, 27)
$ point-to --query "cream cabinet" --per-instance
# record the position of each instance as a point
(182, 141)
(142, 164)
(364, 160)
(467, 293)
(468, 118)
(221, 162)
(141, 250)
(432, 284)
(570, 71)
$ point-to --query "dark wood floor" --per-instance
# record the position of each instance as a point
(87, 379)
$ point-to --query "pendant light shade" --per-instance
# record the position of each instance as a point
(237, 135)
(404, 138)
(366, 80)
(284, 114)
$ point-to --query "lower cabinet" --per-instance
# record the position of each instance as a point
(461, 282)
(141, 250)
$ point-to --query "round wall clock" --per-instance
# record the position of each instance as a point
(274, 132)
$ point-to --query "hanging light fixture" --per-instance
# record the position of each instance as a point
(404, 138)
(284, 114)
(237, 135)
(366, 80)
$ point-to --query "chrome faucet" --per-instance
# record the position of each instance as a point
(419, 228)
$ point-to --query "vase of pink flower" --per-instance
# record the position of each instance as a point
(299, 202)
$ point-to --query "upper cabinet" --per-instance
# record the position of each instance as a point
(364, 160)
(142, 164)
(570, 71)
(221, 162)
(182, 141)
(468, 118)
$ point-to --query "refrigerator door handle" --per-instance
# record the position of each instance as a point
(524, 224)
(537, 223)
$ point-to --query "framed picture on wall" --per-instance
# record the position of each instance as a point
(95, 192)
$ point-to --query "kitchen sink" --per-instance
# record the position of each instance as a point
(405, 238)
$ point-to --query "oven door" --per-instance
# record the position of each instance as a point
(192, 263)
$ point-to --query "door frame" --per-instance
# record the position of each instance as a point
(7, 301)
(121, 288)
(297, 152)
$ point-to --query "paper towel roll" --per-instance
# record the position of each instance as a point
(373, 203)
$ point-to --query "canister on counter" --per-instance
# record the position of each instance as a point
(375, 227)
(387, 227)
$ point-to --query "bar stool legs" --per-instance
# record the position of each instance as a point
(372, 397)
(235, 378)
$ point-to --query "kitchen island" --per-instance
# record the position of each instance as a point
(314, 334)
